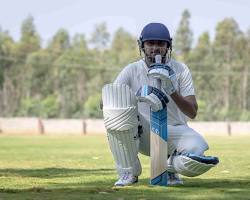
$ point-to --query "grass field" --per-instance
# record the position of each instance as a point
(45, 167)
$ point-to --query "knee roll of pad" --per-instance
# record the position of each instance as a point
(119, 107)
(190, 167)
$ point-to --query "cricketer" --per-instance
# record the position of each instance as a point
(126, 109)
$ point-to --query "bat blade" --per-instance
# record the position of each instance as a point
(158, 148)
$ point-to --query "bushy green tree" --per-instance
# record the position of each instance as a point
(91, 106)
(7, 58)
(124, 43)
(100, 37)
(30, 39)
(59, 43)
(183, 37)
(47, 107)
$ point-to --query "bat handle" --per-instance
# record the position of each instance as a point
(158, 84)
(158, 60)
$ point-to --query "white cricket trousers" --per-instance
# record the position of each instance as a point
(181, 138)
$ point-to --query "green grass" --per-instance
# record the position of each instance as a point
(63, 167)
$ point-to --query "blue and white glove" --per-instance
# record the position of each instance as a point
(152, 96)
(167, 76)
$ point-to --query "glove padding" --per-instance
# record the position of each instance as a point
(152, 96)
(167, 76)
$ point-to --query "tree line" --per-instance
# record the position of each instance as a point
(64, 78)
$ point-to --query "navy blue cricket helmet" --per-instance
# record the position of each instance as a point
(155, 31)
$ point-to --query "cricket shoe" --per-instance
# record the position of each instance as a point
(174, 179)
(126, 179)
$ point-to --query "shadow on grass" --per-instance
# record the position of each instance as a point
(194, 188)
(198, 189)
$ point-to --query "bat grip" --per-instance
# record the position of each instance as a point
(158, 84)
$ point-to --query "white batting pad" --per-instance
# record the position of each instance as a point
(119, 107)
(120, 119)
(189, 167)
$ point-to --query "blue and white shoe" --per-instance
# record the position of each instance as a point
(126, 179)
(174, 179)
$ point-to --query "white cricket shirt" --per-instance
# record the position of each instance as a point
(135, 76)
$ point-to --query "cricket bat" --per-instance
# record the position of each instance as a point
(158, 142)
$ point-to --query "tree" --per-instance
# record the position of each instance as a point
(124, 43)
(183, 36)
(100, 36)
(7, 58)
(200, 61)
(91, 106)
(226, 57)
(200, 57)
(244, 45)
(30, 40)
(59, 43)
(29, 43)
(72, 77)
(9, 75)
(79, 42)
(38, 75)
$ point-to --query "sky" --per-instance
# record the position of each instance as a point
(81, 16)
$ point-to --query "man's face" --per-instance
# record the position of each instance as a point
(153, 48)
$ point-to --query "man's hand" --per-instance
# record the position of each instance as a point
(153, 96)
(166, 75)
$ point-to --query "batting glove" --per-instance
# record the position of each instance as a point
(152, 96)
(166, 75)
